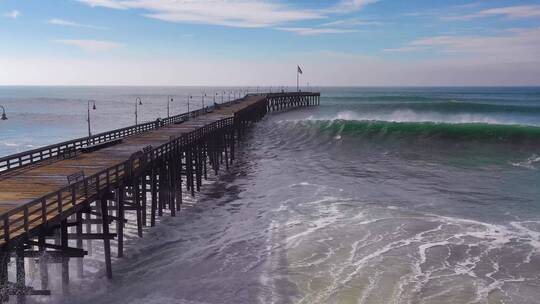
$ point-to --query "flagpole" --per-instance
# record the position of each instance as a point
(297, 80)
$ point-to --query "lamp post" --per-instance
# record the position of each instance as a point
(229, 96)
(203, 95)
(216, 94)
(93, 102)
(138, 102)
(169, 99)
(222, 93)
(188, 98)
(4, 116)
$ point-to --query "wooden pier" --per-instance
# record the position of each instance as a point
(76, 190)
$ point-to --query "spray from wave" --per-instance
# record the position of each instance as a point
(413, 116)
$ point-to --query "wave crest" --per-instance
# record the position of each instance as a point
(429, 130)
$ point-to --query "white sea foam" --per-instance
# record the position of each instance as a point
(412, 116)
(529, 163)
(11, 144)
(375, 248)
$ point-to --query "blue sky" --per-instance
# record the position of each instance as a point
(242, 42)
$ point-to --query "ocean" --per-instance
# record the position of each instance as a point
(379, 195)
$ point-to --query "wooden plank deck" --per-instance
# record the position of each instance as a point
(27, 184)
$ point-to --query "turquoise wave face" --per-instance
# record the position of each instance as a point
(515, 134)
(456, 105)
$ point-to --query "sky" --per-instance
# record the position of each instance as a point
(260, 42)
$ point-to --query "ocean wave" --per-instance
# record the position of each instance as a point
(427, 130)
(443, 106)
(413, 116)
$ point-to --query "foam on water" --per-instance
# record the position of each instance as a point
(412, 116)
(470, 247)
(530, 163)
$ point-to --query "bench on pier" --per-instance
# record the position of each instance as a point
(101, 145)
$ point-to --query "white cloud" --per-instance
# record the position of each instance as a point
(14, 14)
(404, 49)
(106, 3)
(63, 22)
(346, 6)
(517, 45)
(315, 31)
(234, 13)
(510, 12)
(351, 22)
(91, 45)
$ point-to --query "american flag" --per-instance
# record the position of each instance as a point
(300, 70)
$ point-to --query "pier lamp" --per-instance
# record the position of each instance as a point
(188, 98)
(229, 96)
(138, 102)
(93, 103)
(203, 95)
(4, 116)
(222, 93)
(215, 95)
(169, 100)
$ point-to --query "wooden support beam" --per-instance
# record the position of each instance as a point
(88, 229)
(4, 283)
(154, 197)
(144, 197)
(51, 255)
(110, 218)
(138, 205)
(67, 250)
(20, 275)
(65, 260)
(106, 240)
(79, 231)
(43, 269)
(120, 193)
(93, 236)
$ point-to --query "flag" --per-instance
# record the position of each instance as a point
(300, 70)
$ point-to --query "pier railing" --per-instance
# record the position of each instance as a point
(23, 219)
(60, 150)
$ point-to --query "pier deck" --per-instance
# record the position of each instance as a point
(30, 183)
